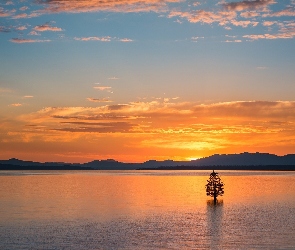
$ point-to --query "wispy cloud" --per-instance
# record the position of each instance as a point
(98, 100)
(75, 6)
(94, 38)
(34, 33)
(208, 17)
(6, 13)
(23, 27)
(23, 8)
(290, 11)
(102, 88)
(247, 5)
(4, 29)
(23, 40)
(28, 96)
(25, 15)
(125, 40)
(113, 78)
(283, 35)
(46, 27)
(16, 104)
(102, 39)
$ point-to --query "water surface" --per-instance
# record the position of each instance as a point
(145, 210)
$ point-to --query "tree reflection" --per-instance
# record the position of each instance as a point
(214, 223)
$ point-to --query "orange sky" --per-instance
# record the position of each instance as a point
(160, 129)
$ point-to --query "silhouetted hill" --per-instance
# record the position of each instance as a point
(248, 159)
(42, 167)
(251, 161)
(110, 164)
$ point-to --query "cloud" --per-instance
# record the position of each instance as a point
(46, 27)
(21, 27)
(289, 34)
(102, 88)
(290, 11)
(250, 14)
(34, 33)
(105, 127)
(207, 17)
(5, 13)
(76, 6)
(23, 8)
(16, 104)
(98, 100)
(22, 40)
(28, 96)
(94, 38)
(102, 39)
(182, 119)
(244, 24)
(268, 23)
(25, 15)
(9, 3)
(125, 40)
(4, 29)
(233, 41)
(113, 78)
(247, 5)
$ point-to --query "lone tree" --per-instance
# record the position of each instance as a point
(214, 187)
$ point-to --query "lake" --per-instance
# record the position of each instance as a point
(145, 210)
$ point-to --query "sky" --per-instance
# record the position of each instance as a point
(134, 80)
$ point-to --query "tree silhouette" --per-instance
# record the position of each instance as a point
(214, 187)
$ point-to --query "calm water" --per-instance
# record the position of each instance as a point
(145, 210)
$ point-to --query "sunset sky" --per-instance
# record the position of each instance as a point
(135, 80)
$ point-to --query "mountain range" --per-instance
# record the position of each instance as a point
(242, 161)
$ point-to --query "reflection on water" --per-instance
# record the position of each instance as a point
(145, 210)
(214, 221)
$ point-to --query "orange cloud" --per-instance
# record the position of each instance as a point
(5, 13)
(208, 17)
(23, 8)
(246, 5)
(55, 6)
(286, 12)
(46, 27)
(98, 100)
(285, 34)
(16, 104)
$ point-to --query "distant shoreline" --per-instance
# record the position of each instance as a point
(8, 167)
